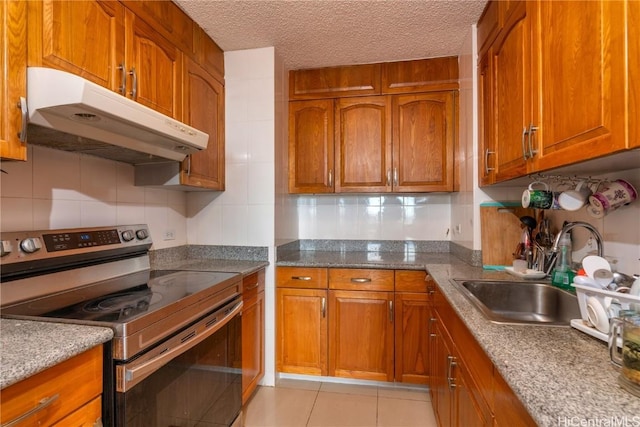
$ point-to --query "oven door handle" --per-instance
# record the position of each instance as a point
(128, 375)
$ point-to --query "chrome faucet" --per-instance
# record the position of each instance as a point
(565, 229)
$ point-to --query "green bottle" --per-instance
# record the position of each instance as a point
(562, 275)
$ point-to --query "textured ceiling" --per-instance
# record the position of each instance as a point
(319, 33)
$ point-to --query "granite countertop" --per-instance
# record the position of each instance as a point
(561, 375)
(28, 347)
(223, 265)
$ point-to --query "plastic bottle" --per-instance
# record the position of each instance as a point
(563, 275)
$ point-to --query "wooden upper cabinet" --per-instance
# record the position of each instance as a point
(156, 67)
(433, 74)
(579, 76)
(13, 87)
(488, 27)
(208, 54)
(167, 19)
(363, 144)
(334, 82)
(85, 38)
(512, 102)
(486, 111)
(311, 155)
(423, 142)
(204, 110)
(633, 70)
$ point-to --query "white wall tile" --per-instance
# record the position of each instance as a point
(16, 214)
(56, 213)
(260, 225)
(236, 183)
(98, 179)
(261, 139)
(234, 225)
(56, 175)
(18, 179)
(126, 191)
(130, 213)
(261, 183)
(97, 214)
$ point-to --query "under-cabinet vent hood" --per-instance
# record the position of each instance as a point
(70, 113)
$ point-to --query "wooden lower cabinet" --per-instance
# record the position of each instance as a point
(466, 390)
(74, 388)
(412, 312)
(301, 321)
(361, 335)
(252, 333)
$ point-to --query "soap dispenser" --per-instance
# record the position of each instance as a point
(562, 275)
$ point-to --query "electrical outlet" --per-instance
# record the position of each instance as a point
(169, 235)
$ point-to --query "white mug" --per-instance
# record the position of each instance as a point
(572, 200)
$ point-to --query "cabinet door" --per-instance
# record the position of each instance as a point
(423, 142)
(311, 146)
(85, 38)
(363, 144)
(252, 345)
(412, 352)
(508, 409)
(156, 67)
(361, 349)
(633, 67)
(204, 110)
(512, 102)
(468, 412)
(486, 110)
(579, 76)
(441, 395)
(13, 60)
(301, 331)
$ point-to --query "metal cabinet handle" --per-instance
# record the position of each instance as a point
(134, 84)
(431, 334)
(360, 279)
(395, 177)
(323, 307)
(388, 177)
(524, 150)
(24, 113)
(330, 177)
(390, 311)
(189, 165)
(487, 169)
(43, 403)
(123, 79)
(303, 278)
(451, 363)
(531, 130)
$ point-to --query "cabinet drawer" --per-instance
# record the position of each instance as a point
(411, 281)
(301, 277)
(251, 286)
(86, 416)
(360, 279)
(84, 372)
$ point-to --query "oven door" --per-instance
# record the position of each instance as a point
(193, 378)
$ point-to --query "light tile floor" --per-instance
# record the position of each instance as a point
(296, 403)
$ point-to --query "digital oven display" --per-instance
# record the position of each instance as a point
(79, 240)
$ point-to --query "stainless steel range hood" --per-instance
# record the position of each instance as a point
(70, 113)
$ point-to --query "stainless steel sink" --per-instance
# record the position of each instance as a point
(521, 302)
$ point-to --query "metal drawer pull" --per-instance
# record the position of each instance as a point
(390, 311)
(532, 129)
(395, 177)
(304, 278)
(487, 169)
(323, 307)
(524, 150)
(134, 85)
(330, 177)
(253, 286)
(360, 279)
(450, 379)
(123, 79)
(24, 113)
(43, 403)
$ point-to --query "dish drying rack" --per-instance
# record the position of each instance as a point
(584, 292)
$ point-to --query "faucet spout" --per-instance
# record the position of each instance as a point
(568, 227)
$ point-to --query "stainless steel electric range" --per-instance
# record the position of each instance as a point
(175, 359)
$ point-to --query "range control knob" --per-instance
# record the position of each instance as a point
(31, 245)
(128, 235)
(5, 248)
(142, 234)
